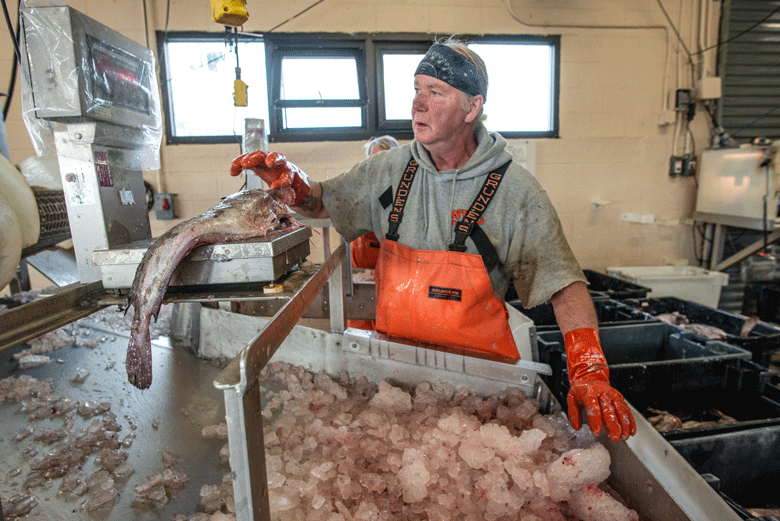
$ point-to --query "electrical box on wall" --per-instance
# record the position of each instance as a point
(684, 165)
(682, 98)
(163, 207)
(710, 88)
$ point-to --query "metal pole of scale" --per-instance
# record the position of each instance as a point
(255, 138)
(96, 91)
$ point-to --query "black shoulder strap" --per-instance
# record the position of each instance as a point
(468, 227)
(401, 194)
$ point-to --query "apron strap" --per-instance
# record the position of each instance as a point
(401, 195)
(468, 227)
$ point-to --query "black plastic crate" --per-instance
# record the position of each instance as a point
(745, 463)
(738, 390)
(646, 358)
(613, 287)
(762, 298)
(609, 312)
(762, 341)
(600, 286)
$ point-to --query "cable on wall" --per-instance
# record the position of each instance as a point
(731, 39)
(13, 33)
(295, 16)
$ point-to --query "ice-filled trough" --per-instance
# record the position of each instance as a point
(365, 427)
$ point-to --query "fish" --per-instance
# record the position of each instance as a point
(707, 331)
(244, 215)
(747, 327)
(675, 318)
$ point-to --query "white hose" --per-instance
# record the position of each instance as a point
(19, 196)
(10, 242)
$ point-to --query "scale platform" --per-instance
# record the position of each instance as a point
(264, 259)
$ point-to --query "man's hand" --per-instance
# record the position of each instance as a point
(589, 379)
(286, 181)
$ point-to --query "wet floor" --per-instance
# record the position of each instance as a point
(181, 401)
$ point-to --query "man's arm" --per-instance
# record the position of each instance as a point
(312, 206)
(588, 369)
(574, 308)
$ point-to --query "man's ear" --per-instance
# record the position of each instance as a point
(475, 107)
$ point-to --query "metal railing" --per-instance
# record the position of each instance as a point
(239, 382)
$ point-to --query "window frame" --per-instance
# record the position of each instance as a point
(192, 36)
(280, 46)
(413, 43)
(398, 128)
(368, 50)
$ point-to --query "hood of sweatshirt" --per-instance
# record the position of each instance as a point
(490, 153)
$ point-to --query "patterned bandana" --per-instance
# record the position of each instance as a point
(450, 66)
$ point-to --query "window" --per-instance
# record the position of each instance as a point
(318, 89)
(522, 90)
(523, 87)
(336, 87)
(199, 73)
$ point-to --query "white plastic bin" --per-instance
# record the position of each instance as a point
(684, 282)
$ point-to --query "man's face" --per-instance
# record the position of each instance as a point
(437, 113)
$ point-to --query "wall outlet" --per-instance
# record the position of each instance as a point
(163, 207)
(666, 117)
(684, 165)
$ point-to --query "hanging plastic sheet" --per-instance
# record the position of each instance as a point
(76, 69)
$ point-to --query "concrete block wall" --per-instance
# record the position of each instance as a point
(614, 83)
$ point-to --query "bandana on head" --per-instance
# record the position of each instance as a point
(451, 67)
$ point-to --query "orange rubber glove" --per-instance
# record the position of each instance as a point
(365, 251)
(288, 184)
(589, 379)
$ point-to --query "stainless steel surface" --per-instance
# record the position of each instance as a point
(658, 483)
(337, 290)
(181, 400)
(735, 190)
(260, 260)
(57, 265)
(62, 307)
(360, 305)
(101, 166)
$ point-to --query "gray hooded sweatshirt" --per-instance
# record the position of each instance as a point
(520, 221)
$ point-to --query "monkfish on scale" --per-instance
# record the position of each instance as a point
(244, 215)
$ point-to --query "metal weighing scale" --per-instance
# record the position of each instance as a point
(99, 91)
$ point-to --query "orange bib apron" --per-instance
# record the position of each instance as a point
(441, 297)
(365, 254)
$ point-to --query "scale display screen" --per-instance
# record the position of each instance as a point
(118, 78)
(79, 69)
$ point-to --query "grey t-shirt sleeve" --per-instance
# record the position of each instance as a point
(348, 199)
(540, 260)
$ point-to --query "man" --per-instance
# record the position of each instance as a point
(365, 249)
(379, 144)
(458, 219)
